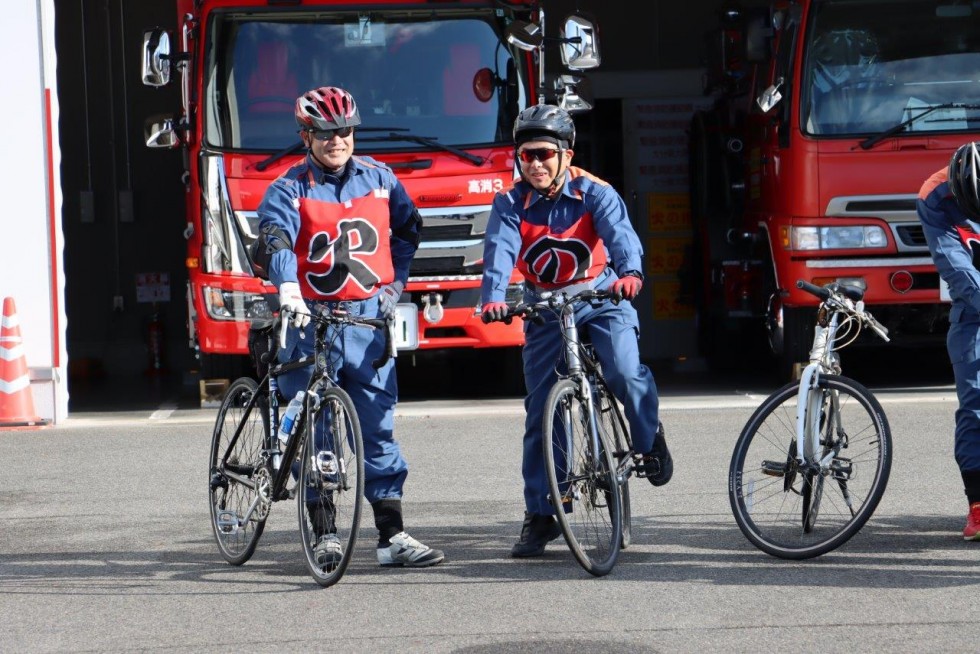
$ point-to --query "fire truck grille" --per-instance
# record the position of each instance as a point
(911, 235)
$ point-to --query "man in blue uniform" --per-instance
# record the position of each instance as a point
(949, 208)
(341, 230)
(565, 229)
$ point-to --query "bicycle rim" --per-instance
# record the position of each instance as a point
(796, 513)
(579, 479)
(239, 481)
(331, 484)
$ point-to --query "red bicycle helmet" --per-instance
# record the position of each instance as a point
(327, 107)
(963, 182)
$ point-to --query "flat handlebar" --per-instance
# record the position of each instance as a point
(847, 299)
(553, 300)
(325, 318)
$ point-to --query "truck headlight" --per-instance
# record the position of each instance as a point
(236, 305)
(846, 237)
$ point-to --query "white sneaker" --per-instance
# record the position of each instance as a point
(406, 551)
(328, 551)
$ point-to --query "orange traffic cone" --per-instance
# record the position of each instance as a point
(16, 401)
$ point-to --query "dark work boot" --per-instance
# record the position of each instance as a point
(658, 465)
(536, 532)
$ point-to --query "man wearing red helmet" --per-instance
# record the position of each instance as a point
(336, 229)
(949, 209)
(565, 229)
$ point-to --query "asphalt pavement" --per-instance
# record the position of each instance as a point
(106, 546)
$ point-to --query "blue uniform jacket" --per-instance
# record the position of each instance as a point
(954, 257)
(361, 176)
(581, 196)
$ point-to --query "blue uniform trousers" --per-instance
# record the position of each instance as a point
(963, 345)
(374, 393)
(614, 332)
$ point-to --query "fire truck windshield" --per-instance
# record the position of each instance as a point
(449, 78)
(872, 64)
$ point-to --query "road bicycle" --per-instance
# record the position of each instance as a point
(321, 465)
(588, 451)
(813, 460)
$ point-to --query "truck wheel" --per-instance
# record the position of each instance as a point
(225, 366)
(797, 340)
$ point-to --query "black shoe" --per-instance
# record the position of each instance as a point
(536, 532)
(658, 465)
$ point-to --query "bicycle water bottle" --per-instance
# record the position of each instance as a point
(288, 422)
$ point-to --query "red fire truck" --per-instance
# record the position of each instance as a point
(438, 84)
(829, 116)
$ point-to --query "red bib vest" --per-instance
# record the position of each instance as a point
(343, 251)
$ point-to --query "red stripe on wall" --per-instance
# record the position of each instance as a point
(52, 240)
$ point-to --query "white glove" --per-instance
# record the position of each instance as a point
(388, 298)
(291, 299)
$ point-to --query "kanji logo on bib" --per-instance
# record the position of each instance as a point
(343, 250)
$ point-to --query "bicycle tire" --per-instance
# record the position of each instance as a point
(768, 492)
(613, 424)
(590, 517)
(329, 501)
(238, 472)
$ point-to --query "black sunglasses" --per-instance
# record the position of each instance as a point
(537, 154)
(327, 134)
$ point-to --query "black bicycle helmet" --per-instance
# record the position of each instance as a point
(963, 180)
(545, 122)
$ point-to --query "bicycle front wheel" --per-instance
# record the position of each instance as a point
(582, 478)
(795, 511)
(331, 484)
(240, 484)
(612, 424)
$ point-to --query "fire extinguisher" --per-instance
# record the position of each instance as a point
(154, 343)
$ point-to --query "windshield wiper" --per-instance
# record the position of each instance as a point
(432, 143)
(872, 141)
(296, 147)
(265, 163)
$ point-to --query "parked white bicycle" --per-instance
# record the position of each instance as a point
(812, 462)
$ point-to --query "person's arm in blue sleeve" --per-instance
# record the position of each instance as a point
(953, 260)
(500, 247)
(278, 208)
(406, 229)
(612, 224)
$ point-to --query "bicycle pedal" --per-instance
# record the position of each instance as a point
(227, 522)
(774, 468)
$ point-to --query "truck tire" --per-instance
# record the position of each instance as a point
(225, 366)
(797, 339)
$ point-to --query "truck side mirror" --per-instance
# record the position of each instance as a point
(770, 97)
(156, 57)
(575, 94)
(523, 35)
(580, 44)
(159, 132)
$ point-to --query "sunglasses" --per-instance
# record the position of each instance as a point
(327, 134)
(537, 154)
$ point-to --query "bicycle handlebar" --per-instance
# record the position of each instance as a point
(554, 300)
(340, 317)
(848, 299)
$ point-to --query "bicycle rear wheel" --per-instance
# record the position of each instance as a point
(799, 512)
(239, 488)
(581, 472)
(612, 424)
(331, 483)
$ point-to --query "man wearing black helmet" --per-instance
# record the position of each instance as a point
(336, 229)
(565, 229)
(949, 208)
